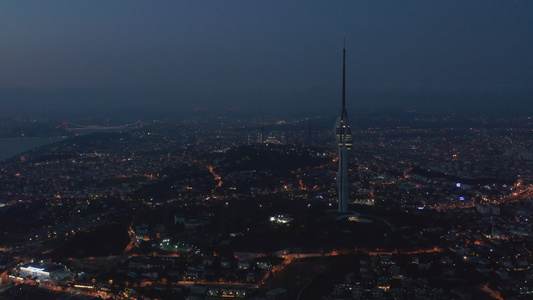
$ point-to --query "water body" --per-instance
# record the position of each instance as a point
(12, 147)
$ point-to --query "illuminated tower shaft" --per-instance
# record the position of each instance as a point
(344, 137)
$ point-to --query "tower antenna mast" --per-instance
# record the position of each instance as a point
(344, 76)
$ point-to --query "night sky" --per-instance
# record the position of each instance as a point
(177, 56)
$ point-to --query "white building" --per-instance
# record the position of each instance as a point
(45, 271)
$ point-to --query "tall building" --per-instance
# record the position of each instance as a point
(344, 137)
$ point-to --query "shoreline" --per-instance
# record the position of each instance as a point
(10, 147)
(31, 138)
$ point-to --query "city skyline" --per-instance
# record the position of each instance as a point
(194, 150)
(202, 204)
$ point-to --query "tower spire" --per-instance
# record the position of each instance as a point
(344, 76)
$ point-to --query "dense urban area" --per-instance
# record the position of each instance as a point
(240, 206)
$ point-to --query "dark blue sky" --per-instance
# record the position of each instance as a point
(178, 55)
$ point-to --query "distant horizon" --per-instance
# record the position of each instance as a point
(123, 103)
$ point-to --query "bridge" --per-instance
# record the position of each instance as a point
(77, 127)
